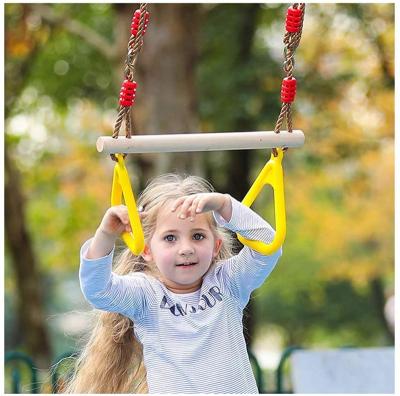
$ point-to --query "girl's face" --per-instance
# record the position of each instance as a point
(182, 250)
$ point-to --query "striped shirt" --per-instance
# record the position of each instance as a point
(192, 343)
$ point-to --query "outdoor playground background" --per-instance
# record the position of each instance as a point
(204, 67)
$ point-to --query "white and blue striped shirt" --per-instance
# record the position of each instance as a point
(192, 343)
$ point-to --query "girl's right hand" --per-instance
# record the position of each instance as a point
(115, 221)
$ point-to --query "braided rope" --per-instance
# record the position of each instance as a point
(135, 44)
(291, 41)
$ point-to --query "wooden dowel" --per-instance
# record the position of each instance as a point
(182, 142)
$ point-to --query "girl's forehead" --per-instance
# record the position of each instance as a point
(167, 206)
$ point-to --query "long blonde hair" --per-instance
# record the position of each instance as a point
(112, 360)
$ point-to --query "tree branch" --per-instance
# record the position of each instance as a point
(106, 48)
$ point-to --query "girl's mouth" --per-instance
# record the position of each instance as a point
(186, 264)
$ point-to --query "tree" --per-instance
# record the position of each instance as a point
(31, 317)
(167, 84)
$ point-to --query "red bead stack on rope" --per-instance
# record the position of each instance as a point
(136, 20)
(294, 18)
(127, 93)
(288, 90)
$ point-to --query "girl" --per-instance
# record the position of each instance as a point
(173, 320)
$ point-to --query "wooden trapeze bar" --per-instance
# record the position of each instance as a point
(182, 142)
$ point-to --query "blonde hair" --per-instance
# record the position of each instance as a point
(112, 360)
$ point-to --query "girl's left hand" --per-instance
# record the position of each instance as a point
(192, 205)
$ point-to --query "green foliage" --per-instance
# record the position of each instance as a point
(239, 80)
(77, 69)
(63, 67)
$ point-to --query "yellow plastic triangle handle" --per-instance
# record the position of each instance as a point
(121, 187)
(271, 174)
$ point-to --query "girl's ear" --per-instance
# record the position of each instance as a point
(147, 256)
(217, 247)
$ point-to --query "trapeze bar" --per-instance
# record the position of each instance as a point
(182, 142)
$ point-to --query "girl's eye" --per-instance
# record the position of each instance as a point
(198, 236)
(169, 238)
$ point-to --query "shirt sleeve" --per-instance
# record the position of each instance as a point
(243, 273)
(105, 290)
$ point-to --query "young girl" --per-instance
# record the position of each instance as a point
(173, 320)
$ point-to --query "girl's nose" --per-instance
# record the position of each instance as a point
(186, 250)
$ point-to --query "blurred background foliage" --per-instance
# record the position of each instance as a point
(63, 69)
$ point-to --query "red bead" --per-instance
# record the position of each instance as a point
(127, 93)
(293, 19)
(136, 21)
(288, 90)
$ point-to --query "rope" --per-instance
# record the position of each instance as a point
(291, 41)
(135, 44)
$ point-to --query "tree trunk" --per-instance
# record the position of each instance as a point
(31, 316)
(32, 331)
(166, 95)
